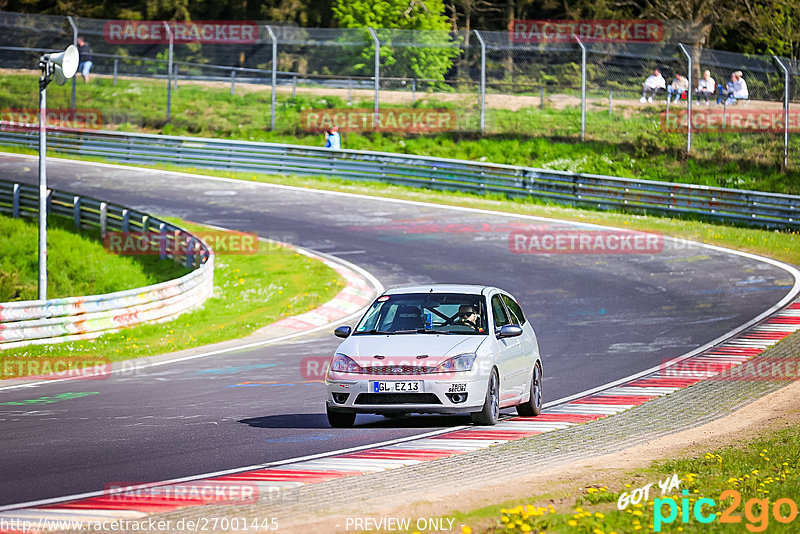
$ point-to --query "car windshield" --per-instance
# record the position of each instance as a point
(425, 313)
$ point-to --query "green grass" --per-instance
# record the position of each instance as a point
(762, 471)
(77, 264)
(630, 143)
(250, 292)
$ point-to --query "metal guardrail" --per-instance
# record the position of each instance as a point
(74, 318)
(575, 189)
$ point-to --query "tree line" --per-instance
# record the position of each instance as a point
(745, 26)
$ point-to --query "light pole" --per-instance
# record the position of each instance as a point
(59, 67)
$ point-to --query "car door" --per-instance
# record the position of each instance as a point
(509, 353)
(527, 340)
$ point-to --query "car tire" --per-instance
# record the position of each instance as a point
(533, 406)
(490, 413)
(341, 419)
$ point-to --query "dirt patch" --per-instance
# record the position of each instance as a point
(777, 410)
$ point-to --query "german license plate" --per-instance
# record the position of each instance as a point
(413, 386)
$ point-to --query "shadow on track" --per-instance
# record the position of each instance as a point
(315, 420)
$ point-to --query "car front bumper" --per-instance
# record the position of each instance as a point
(434, 398)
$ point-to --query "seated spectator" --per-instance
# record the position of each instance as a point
(735, 90)
(651, 85)
(678, 86)
(707, 87)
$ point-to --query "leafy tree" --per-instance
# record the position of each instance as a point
(428, 55)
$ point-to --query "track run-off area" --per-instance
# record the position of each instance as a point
(599, 318)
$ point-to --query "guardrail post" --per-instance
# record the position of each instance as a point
(190, 252)
(583, 88)
(294, 89)
(162, 241)
(49, 201)
(169, 71)
(116, 66)
(688, 99)
(610, 100)
(377, 44)
(233, 82)
(145, 222)
(274, 76)
(76, 211)
(103, 219)
(126, 221)
(785, 112)
(15, 201)
(175, 78)
(482, 87)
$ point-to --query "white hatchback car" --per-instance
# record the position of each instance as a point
(455, 349)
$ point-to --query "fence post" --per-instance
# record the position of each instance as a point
(482, 88)
(274, 75)
(377, 44)
(116, 63)
(583, 88)
(169, 71)
(103, 219)
(688, 99)
(75, 42)
(785, 112)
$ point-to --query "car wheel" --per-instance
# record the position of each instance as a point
(534, 405)
(491, 406)
(340, 419)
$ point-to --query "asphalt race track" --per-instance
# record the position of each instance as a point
(598, 318)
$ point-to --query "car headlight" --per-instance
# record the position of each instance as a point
(462, 362)
(344, 364)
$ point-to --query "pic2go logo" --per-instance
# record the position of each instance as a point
(756, 511)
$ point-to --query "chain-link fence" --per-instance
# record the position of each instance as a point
(476, 81)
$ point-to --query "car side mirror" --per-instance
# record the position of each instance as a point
(344, 331)
(509, 330)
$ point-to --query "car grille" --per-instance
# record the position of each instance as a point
(397, 398)
(398, 370)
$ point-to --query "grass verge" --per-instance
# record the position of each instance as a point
(250, 292)
(749, 487)
(77, 264)
(630, 142)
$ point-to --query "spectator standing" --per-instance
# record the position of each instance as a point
(85, 58)
(678, 86)
(651, 85)
(706, 87)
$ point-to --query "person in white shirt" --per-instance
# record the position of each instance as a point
(651, 85)
(678, 86)
(707, 87)
(736, 89)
